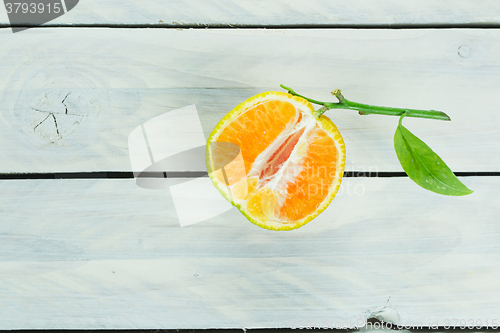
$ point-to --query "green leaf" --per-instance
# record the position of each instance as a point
(424, 166)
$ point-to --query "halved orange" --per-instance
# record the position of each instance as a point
(274, 160)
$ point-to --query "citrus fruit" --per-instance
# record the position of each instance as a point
(276, 161)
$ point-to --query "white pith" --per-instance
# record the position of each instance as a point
(293, 165)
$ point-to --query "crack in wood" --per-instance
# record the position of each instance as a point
(37, 110)
(44, 119)
(55, 122)
(66, 107)
(51, 112)
(41, 122)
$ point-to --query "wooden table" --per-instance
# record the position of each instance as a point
(85, 248)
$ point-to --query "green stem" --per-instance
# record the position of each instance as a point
(364, 109)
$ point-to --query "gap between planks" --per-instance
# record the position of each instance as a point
(187, 174)
(285, 13)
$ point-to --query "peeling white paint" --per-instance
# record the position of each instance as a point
(386, 314)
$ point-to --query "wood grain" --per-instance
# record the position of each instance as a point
(97, 85)
(105, 253)
(278, 12)
(108, 254)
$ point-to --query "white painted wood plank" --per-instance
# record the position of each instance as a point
(108, 254)
(279, 12)
(116, 79)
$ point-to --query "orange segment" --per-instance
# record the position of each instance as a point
(312, 185)
(263, 204)
(289, 166)
(258, 127)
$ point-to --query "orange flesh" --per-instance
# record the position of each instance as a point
(252, 131)
(311, 179)
(313, 183)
